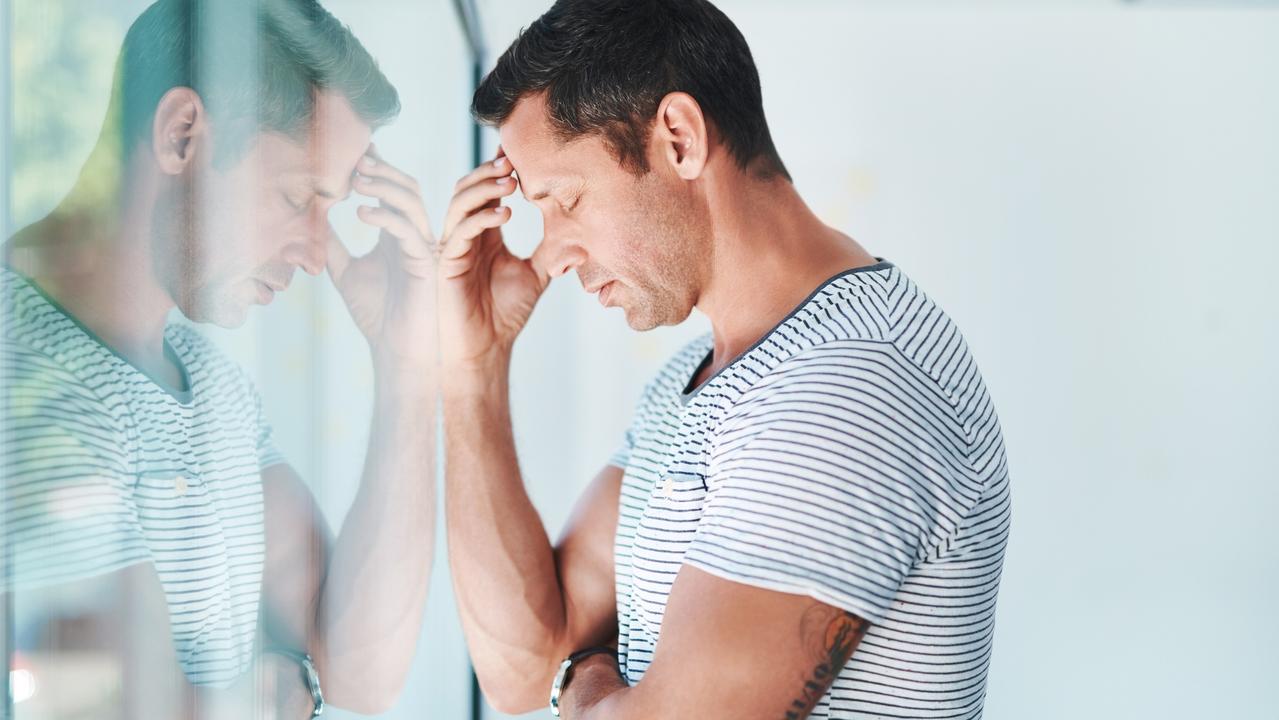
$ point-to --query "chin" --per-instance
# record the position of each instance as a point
(224, 314)
(649, 318)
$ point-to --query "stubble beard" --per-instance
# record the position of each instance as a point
(670, 247)
(178, 250)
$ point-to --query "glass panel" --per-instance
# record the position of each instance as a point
(190, 480)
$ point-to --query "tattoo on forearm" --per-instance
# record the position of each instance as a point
(833, 634)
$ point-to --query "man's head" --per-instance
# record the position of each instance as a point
(249, 117)
(610, 112)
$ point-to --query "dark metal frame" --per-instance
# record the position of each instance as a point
(468, 16)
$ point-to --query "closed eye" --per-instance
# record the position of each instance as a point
(299, 205)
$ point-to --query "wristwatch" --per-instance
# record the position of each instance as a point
(562, 677)
(309, 676)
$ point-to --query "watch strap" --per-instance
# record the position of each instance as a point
(563, 675)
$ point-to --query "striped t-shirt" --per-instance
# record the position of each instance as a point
(104, 468)
(852, 455)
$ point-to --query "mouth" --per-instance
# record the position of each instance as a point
(603, 292)
(266, 293)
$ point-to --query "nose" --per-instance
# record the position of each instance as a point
(561, 256)
(310, 252)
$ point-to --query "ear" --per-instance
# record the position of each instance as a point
(681, 134)
(178, 130)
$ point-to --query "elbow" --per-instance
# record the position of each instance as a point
(365, 705)
(364, 701)
(511, 700)
(512, 692)
(374, 691)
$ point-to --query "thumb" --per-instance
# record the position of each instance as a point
(539, 261)
(337, 258)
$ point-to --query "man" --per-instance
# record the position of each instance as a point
(137, 463)
(809, 512)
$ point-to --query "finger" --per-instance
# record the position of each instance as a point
(375, 166)
(498, 167)
(398, 226)
(397, 197)
(337, 257)
(474, 198)
(464, 236)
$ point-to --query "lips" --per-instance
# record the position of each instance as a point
(266, 293)
(604, 292)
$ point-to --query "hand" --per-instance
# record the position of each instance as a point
(390, 292)
(486, 292)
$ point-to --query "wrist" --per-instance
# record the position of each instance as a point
(405, 382)
(483, 375)
(591, 668)
(596, 666)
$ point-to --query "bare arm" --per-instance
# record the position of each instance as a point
(727, 650)
(524, 604)
(356, 605)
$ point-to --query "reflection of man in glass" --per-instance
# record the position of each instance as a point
(137, 463)
(809, 513)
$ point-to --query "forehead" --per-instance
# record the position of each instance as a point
(541, 157)
(328, 150)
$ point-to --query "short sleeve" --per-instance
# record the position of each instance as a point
(831, 481)
(68, 509)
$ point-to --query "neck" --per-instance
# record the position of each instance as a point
(770, 253)
(93, 255)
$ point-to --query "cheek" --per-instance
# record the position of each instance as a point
(271, 227)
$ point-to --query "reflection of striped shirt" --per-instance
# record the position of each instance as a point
(852, 455)
(104, 468)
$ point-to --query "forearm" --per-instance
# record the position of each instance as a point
(504, 571)
(369, 612)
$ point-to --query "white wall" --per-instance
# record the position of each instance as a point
(1090, 190)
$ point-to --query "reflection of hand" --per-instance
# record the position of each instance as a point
(390, 292)
(486, 292)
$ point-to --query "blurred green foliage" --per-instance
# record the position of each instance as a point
(64, 54)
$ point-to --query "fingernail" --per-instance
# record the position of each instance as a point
(498, 209)
(504, 180)
(369, 159)
(500, 162)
